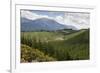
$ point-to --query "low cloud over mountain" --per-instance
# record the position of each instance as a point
(43, 24)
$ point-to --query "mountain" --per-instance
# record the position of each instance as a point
(43, 24)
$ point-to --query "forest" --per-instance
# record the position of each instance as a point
(60, 45)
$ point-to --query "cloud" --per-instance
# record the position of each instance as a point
(29, 15)
(32, 16)
(59, 19)
(79, 20)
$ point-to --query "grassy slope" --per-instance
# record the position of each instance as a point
(43, 36)
(76, 44)
(50, 35)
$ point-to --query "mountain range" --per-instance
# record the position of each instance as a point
(43, 24)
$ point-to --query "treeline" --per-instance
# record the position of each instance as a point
(47, 48)
(76, 48)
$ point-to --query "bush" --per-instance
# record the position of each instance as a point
(29, 54)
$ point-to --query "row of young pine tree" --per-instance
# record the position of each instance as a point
(47, 48)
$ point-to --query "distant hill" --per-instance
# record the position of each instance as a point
(43, 24)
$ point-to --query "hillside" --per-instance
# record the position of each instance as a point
(29, 54)
(59, 45)
(77, 45)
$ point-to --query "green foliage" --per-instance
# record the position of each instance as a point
(29, 54)
(57, 45)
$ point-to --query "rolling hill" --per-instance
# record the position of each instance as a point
(74, 46)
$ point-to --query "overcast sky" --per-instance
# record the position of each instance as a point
(79, 20)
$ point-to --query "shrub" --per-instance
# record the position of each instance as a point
(29, 54)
